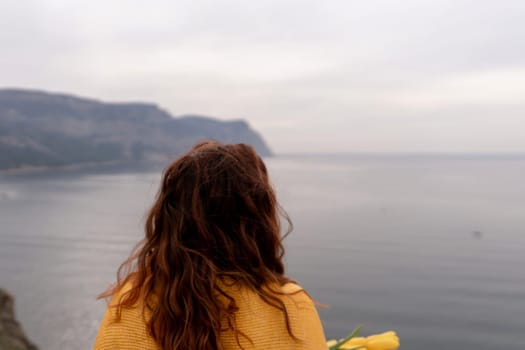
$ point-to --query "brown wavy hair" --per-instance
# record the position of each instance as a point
(215, 221)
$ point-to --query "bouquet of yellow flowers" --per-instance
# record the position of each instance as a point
(383, 341)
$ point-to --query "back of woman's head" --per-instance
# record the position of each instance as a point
(216, 204)
(215, 222)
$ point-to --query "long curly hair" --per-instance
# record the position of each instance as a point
(215, 221)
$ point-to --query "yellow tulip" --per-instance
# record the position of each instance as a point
(388, 333)
(331, 343)
(354, 342)
(384, 341)
(382, 344)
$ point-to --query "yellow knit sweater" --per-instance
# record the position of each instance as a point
(262, 323)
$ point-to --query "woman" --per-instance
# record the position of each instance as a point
(209, 273)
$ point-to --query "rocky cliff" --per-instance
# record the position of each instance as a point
(12, 336)
(44, 129)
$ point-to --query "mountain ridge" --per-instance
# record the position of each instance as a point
(39, 128)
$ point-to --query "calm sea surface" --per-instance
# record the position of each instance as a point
(431, 247)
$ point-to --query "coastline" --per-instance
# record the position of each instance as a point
(159, 162)
(35, 169)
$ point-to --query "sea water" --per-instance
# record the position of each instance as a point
(432, 247)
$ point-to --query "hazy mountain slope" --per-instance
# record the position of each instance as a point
(44, 129)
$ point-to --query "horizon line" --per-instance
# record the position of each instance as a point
(408, 153)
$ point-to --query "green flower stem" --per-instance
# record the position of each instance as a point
(353, 334)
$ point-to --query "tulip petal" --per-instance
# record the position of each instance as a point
(354, 342)
(382, 343)
(331, 343)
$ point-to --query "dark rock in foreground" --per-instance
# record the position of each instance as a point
(39, 129)
(12, 336)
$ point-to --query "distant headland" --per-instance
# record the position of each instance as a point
(40, 129)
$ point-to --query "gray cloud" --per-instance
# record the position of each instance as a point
(311, 75)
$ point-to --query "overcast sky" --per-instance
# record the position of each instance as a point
(311, 76)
